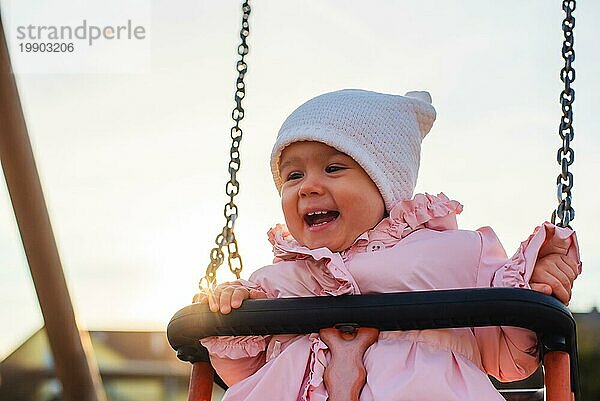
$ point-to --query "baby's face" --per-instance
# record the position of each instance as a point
(327, 198)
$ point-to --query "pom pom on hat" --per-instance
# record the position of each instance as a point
(381, 132)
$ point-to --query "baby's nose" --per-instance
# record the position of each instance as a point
(310, 186)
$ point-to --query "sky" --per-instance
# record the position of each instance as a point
(131, 137)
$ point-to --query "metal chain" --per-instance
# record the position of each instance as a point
(226, 239)
(566, 155)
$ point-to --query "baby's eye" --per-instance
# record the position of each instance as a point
(294, 175)
(332, 168)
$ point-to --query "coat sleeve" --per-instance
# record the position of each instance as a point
(510, 353)
(236, 358)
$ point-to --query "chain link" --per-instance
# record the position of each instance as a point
(566, 155)
(226, 238)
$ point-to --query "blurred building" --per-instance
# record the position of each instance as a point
(588, 345)
(135, 366)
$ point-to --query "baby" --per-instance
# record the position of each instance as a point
(345, 164)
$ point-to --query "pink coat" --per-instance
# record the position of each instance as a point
(418, 247)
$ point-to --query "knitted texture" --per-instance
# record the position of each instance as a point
(381, 132)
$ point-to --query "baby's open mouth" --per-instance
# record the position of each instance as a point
(320, 217)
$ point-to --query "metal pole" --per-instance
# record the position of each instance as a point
(74, 361)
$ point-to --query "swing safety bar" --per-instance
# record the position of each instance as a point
(418, 310)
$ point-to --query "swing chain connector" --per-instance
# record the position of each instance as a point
(347, 328)
(226, 239)
(566, 155)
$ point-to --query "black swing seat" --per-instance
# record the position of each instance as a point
(417, 310)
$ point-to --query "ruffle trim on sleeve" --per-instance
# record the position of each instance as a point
(314, 389)
(517, 272)
(235, 347)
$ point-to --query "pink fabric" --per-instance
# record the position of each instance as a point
(418, 247)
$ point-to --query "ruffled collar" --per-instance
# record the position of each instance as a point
(423, 211)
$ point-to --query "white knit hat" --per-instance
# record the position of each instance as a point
(381, 132)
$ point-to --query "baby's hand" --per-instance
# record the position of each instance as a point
(229, 295)
(555, 269)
